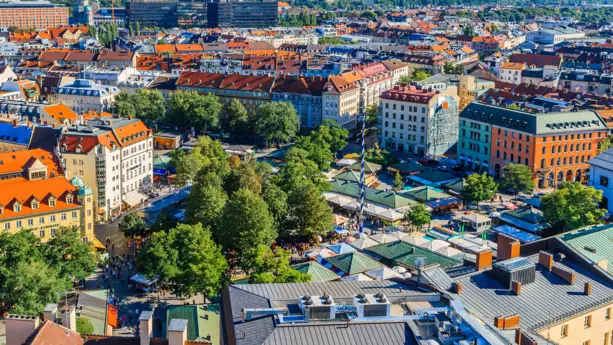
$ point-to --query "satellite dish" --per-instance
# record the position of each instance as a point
(419, 262)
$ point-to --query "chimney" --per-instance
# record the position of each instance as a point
(177, 332)
(518, 335)
(546, 260)
(50, 312)
(499, 322)
(146, 326)
(69, 318)
(522, 338)
(511, 321)
(14, 122)
(484, 259)
(457, 287)
(516, 287)
(587, 288)
(19, 328)
(564, 273)
(508, 247)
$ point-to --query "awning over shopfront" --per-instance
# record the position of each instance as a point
(135, 199)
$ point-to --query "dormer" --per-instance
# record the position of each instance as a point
(69, 198)
(34, 203)
(1, 209)
(17, 206)
(52, 201)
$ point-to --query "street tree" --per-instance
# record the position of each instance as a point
(309, 212)
(417, 215)
(277, 122)
(517, 178)
(478, 188)
(187, 259)
(208, 154)
(68, 254)
(194, 110)
(233, 118)
(268, 266)
(133, 226)
(371, 114)
(276, 199)
(246, 223)
(575, 203)
(299, 168)
(244, 175)
(207, 200)
(398, 181)
(84, 325)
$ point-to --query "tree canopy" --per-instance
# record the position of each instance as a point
(194, 110)
(418, 216)
(277, 122)
(478, 188)
(575, 203)
(517, 178)
(133, 226)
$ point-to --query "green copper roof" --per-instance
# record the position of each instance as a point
(203, 321)
(405, 254)
(426, 194)
(528, 214)
(368, 167)
(455, 186)
(317, 271)
(353, 263)
(77, 182)
(348, 175)
(387, 198)
(598, 239)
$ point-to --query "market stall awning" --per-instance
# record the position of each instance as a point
(135, 199)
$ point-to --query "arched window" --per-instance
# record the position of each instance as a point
(543, 163)
(551, 162)
(565, 148)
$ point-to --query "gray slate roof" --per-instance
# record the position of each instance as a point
(539, 123)
(397, 333)
(549, 296)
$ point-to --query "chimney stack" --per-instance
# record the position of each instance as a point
(484, 259)
(19, 328)
(587, 288)
(546, 260)
(146, 326)
(177, 332)
(564, 273)
(14, 122)
(508, 247)
(69, 318)
(50, 312)
(516, 287)
(457, 287)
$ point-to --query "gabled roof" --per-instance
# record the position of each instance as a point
(353, 263)
(50, 333)
(405, 254)
(11, 162)
(368, 167)
(60, 113)
(20, 135)
(426, 194)
(317, 271)
(22, 191)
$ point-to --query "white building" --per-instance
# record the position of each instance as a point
(554, 35)
(418, 121)
(112, 155)
(84, 95)
(601, 177)
(510, 72)
(341, 101)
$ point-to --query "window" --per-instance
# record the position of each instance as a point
(52, 232)
(41, 233)
(31, 222)
(41, 220)
(7, 226)
(564, 332)
(544, 150)
(52, 202)
(52, 218)
(63, 216)
(34, 205)
(608, 314)
(74, 214)
(18, 224)
(587, 322)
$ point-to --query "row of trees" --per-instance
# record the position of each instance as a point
(236, 210)
(418, 74)
(275, 122)
(305, 18)
(573, 203)
(33, 274)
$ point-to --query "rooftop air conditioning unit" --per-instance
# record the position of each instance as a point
(318, 307)
(372, 305)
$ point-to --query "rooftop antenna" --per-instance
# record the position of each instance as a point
(419, 263)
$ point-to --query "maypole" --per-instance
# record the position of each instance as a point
(362, 184)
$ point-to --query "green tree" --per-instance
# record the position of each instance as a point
(606, 144)
(277, 122)
(233, 117)
(163, 222)
(123, 105)
(309, 212)
(421, 74)
(207, 200)
(133, 226)
(209, 155)
(191, 109)
(186, 259)
(246, 223)
(513, 106)
(150, 106)
(30, 285)
(299, 168)
(369, 15)
(243, 176)
(478, 188)
(276, 199)
(68, 254)
(371, 114)
(269, 267)
(468, 30)
(418, 216)
(517, 178)
(335, 134)
(575, 203)
(405, 79)
(84, 325)
(398, 181)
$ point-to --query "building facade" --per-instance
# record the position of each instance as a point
(36, 196)
(152, 13)
(601, 177)
(418, 121)
(33, 14)
(84, 95)
(242, 14)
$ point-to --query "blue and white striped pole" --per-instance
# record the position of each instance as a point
(362, 184)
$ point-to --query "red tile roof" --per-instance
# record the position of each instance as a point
(25, 191)
(12, 162)
(408, 94)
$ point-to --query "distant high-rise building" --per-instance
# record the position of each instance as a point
(32, 14)
(152, 13)
(244, 14)
(191, 13)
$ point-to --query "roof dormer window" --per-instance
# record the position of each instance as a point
(17, 206)
(34, 204)
(52, 201)
(69, 199)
